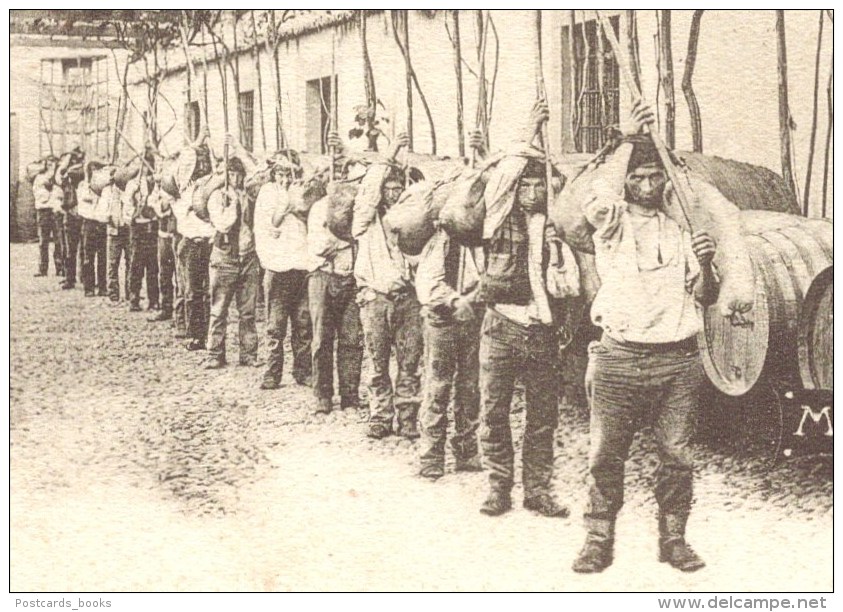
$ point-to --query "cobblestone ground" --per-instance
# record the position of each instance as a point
(134, 469)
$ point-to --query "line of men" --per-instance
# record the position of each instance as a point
(478, 316)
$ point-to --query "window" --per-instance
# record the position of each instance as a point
(319, 113)
(597, 99)
(192, 119)
(73, 104)
(247, 119)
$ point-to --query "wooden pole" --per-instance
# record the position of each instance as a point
(369, 82)
(601, 82)
(784, 108)
(272, 46)
(404, 17)
(334, 114)
(687, 82)
(458, 72)
(585, 73)
(665, 38)
(631, 37)
(97, 110)
(414, 80)
(541, 93)
(815, 116)
(221, 65)
(205, 81)
(664, 156)
(829, 130)
(574, 81)
(482, 20)
(256, 55)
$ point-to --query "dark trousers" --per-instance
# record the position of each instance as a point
(286, 298)
(46, 235)
(452, 360)
(393, 322)
(118, 248)
(335, 316)
(194, 256)
(633, 386)
(144, 257)
(166, 272)
(73, 244)
(94, 260)
(180, 285)
(235, 280)
(508, 349)
(60, 238)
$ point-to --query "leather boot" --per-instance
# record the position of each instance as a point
(407, 426)
(673, 548)
(598, 551)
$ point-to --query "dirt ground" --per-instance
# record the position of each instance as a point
(132, 468)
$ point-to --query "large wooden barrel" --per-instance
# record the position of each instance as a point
(816, 329)
(788, 252)
(746, 186)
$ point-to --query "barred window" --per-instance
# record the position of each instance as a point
(247, 119)
(597, 80)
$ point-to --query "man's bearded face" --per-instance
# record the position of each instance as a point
(645, 185)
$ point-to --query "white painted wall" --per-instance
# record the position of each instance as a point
(735, 81)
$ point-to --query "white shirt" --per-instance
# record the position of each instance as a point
(224, 217)
(56, 198)
(86, 200)
(189, 225)
(41, 189)
(284, 247)
(647, 270)
(327, 252)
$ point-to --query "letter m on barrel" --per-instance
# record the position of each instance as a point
(817, 417)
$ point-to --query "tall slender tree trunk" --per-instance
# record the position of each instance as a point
(235, 69)
(667, 80)
(404, 47)
(784, 107)
(815, 116)
(458, 72)
(256, 56)
(272, 47)
(687, 81)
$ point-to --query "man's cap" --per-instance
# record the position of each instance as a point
(644, 152)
